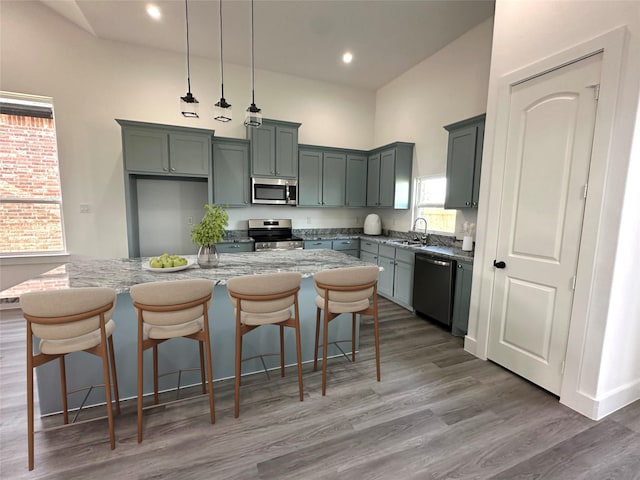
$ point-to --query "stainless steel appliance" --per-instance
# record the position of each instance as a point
(433, 284)
(273, 234)
(274, 191)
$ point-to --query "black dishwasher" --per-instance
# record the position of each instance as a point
(433, 284)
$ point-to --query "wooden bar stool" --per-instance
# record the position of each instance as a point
(265, 300)
(173, 309)
(345, 290)
(67, 321)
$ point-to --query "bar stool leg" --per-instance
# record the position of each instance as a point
(353, 337)
(107, 390)
(299, 353)
(155, 374)
(376, 333)
(315, 351)
(30, 426)
(281, 350)
(325, 342)
(236, 405)
(114, 374)
(202, 377)
(63, 390)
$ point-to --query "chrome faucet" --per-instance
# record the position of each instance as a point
(423, 237)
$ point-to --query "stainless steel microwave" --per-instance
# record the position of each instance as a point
(274, 191)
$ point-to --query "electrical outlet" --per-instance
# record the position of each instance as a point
(84, 208)
(357, 220)
(308, 220)
(189, 220)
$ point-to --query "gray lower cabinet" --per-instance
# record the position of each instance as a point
(274, 149)
(389, 176)
(157, 149)
(231, 172)
(464, 162)
(350, 246)
(369, 251)
(234, 247)
(396, 281)
(315, 244)
(462, 298)
(356, 195)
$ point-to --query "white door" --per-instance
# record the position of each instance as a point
(548, 153)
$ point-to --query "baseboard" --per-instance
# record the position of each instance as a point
(598, 408)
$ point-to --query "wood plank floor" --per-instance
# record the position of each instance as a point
(438, 413)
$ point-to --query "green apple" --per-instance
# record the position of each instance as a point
(155, 263)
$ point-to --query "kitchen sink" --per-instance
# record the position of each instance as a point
(406, 242)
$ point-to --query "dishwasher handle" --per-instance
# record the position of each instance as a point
(442, 263)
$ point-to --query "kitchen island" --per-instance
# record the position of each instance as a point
(182, 354)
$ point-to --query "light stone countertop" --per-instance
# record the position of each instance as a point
(122, 273)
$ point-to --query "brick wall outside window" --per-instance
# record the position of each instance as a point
(29, 171)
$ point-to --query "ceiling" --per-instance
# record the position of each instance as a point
(305, 38)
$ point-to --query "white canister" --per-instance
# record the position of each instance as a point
(467, 243)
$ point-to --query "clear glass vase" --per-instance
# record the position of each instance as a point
(208, 256)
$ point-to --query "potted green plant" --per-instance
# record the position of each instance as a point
(207, 233)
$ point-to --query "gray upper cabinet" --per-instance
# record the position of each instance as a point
(321, 179)
(389, 176)
(274, 149)
(231, 172)
(464, 162)
(356, 193)
(165, 149)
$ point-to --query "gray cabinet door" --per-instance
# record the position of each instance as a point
(145, 150)
(387, 178)
(334, 170)
(373, 180)
(460, 160)
(368, 257)
(286, 151)
(189, 153)
(234, 247)
(464, 162)
(263, 150)
(316, 244)
(386, 278)
(231, 173)
(403, 283)
(356, 194)
(310, 179)
(462, 298)
(477, 166)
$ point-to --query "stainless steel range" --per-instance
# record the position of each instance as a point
(273, 234)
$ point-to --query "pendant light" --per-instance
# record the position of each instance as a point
(253, 115)
(223, 109)
(188, 103)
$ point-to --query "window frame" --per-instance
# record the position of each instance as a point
(36, 106)
(415, 207)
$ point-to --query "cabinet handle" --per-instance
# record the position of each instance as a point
(165, 169)
(467, 203)
(459, 266)
(277, 172)
(172, 169)
(318, 243)
(235, 246)
(475, 204)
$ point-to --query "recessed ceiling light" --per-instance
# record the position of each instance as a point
(347, 57)
(153, 11)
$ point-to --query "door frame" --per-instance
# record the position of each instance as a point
(591, 296)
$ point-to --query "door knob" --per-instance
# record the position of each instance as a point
(499, 264)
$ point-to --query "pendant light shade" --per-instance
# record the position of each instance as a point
(188, 103)
(222, 108)
(253, 115)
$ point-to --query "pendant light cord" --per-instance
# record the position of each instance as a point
(221, 59)
(253, 68)
(186, 10)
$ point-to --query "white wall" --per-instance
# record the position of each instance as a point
(447, 87)
(95, 81)
(603, 359)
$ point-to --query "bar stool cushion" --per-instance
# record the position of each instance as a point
(343, 307)
(75, 344)
(343, 302)
(172, 331)
(268, 311)
(61, 303)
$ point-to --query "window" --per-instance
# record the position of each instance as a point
(429, 204)
(30, 193)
